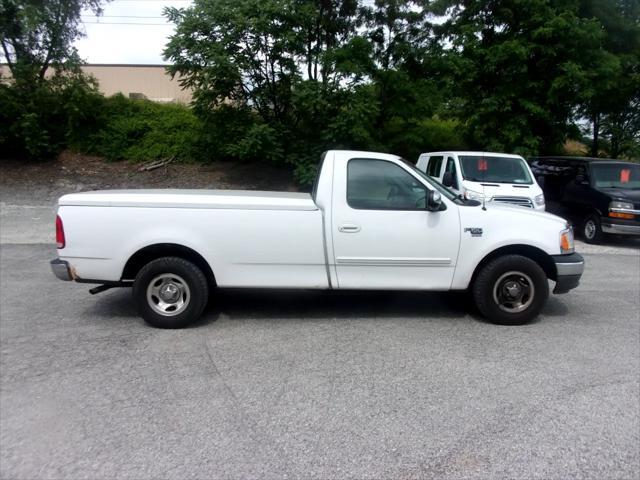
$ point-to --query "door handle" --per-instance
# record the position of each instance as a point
(349, 228)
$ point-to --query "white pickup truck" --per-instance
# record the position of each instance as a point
(373, 221)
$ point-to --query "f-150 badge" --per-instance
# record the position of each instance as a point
(475, 232)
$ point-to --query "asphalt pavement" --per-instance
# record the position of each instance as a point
(317, 384)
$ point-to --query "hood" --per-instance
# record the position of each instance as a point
(510, 210)
(504, 189)
(623, 194)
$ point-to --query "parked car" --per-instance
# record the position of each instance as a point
(372, 222)
(598, 195)
(485, 176)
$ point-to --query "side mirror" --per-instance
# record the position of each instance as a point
(434, 201)
(447, 179)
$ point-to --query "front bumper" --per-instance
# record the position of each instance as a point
(569, 269)
(626, 228)
(60, 269)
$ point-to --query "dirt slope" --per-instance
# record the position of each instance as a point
(24, 182)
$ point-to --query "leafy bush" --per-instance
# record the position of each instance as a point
(409, 137)
(36, 118)
(139, 130)
(237, 134)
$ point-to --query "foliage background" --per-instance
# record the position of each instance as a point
(283, 80)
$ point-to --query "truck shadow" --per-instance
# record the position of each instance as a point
(311, 305)
(254, 304)
(305, 305)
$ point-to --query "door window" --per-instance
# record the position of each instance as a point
(433, 169)
(451, 168)
(382, 185)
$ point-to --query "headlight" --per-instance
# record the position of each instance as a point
(621, 205)
(471, 195)
(539, 199)
(566, 240)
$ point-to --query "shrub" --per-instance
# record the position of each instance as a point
(139, 130)
(37, 118)
(237, 134)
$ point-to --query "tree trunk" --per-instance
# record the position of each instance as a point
(595, 120)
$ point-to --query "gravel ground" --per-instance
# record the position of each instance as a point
(317, 384)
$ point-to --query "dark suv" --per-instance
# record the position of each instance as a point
(598, 195)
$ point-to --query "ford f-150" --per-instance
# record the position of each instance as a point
(373, 221)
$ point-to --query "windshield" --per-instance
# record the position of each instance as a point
(437, 185)
(616, 175)
(476, 168)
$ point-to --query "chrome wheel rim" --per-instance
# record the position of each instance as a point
(513, 292)
(168, 294)
(589, 229)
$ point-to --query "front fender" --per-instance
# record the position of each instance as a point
(503, 228)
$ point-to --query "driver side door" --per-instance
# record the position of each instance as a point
(383, 236)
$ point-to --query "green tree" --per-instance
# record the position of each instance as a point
(38, 34)
(622, 128)
(239, 52)
(399, 29)
(38, 111)
(269, 76)
(332, 49)
(521, 69)
(610, 99)
(408, 78)
(240, 59)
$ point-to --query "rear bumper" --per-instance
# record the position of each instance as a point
(60, 269)
(569, 270)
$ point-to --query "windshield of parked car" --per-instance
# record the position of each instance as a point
(616, 175)
(437, 185)
(476, 168)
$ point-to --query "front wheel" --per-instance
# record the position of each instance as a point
(510, 290)
(592, 230)
(170, 292)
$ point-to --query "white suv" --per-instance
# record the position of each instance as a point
(494, 177)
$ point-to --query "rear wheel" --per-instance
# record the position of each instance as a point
(592, 229)
(170, 292)
(510, 290)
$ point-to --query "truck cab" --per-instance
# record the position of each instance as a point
(485, 176)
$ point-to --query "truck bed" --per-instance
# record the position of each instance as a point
(252, 238)
(175, 198)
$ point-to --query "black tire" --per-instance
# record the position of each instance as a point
(592, 229)
(171, 285)
(503, 276)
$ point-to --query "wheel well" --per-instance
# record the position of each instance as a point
(153, 252)
(588, 212)
(539, 256)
